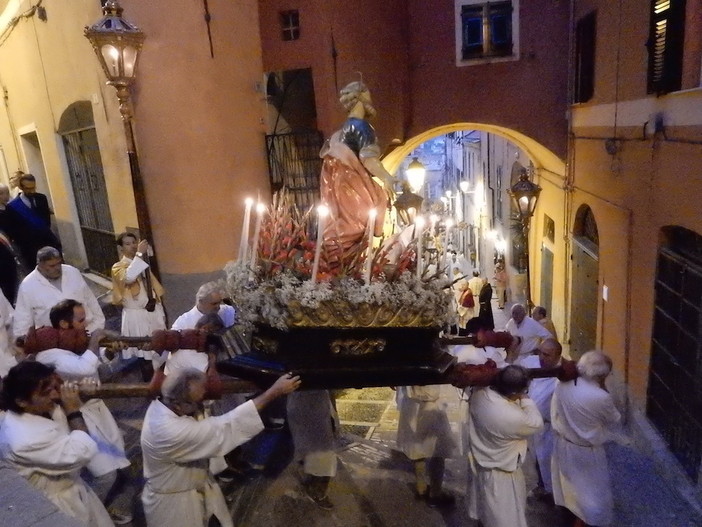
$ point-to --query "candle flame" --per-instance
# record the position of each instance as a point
(322, 210)
(249, 202)
(260, 208)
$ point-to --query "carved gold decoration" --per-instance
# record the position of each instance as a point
(356, 347)
(346, 315)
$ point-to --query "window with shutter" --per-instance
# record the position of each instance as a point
(486, 30)
(665, 45)
(585, 36)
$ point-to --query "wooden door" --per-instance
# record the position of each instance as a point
(583, 311)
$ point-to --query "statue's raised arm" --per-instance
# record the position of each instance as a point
(351, 159)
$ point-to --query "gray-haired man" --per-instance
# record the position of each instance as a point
(43, 288)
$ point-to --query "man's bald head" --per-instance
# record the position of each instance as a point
(550, 353)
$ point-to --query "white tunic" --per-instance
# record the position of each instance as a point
(180, 360)
(137, 321)
(584, 417)
(50, 457)
(179, 490)
(188, 319)
(541, 392)
(423, 429)
(531, 333)
(7, 358)
(101, 424)
(36, 297)
(499, 429)
(313, 423)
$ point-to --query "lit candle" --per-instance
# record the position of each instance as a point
(260, 209)
(322, 211)
(369, 255)
(244, 240)
(419, 228)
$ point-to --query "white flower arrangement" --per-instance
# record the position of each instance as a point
(267, 301)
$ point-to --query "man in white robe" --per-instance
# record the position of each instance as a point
(530, 332)
(502, 418)
(207, 300)
(7, 356)
(46, 440)
(43, 288)
(83, 368)
(468, 354)
(541, 392)
(424, 435)
(180, 491)
(129, 290)
(314, 424)
(584, 417)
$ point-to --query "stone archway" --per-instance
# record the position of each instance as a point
(540, 156)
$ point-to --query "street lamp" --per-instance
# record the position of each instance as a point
(117, 44)
(416, 172)
(525, 194)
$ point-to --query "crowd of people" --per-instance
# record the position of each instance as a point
(71, 449)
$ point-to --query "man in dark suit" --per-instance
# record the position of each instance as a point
(32, 205)
(33, 209)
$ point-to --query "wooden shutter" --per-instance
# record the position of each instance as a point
(585, 37)
(665, 45)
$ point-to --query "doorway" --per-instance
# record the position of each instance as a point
(584, 305)
(674, 399)
(80, 143)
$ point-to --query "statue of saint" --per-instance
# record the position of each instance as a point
(351, 159)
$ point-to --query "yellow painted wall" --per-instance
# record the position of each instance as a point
(45, 67)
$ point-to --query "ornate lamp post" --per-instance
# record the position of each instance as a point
(117, 44)
(525, 195)
(416, 172)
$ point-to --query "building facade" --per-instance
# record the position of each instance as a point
(601, 101)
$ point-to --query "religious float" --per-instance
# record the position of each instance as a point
(342, 294)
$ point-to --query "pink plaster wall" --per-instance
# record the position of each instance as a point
(528, 95)
(406, 51)
(199, 127)
(368, 36)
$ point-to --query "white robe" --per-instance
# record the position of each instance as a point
(7, 358)
(181, 360)
(137, 321)
(50, 457)
(499, 429)
(584, 417)
(179, 489)
(531, 333)
(471, 355)
(423, 429)
(98, 419)
(188, 319)
(541, 392)
(36, 297)
(313, 425)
